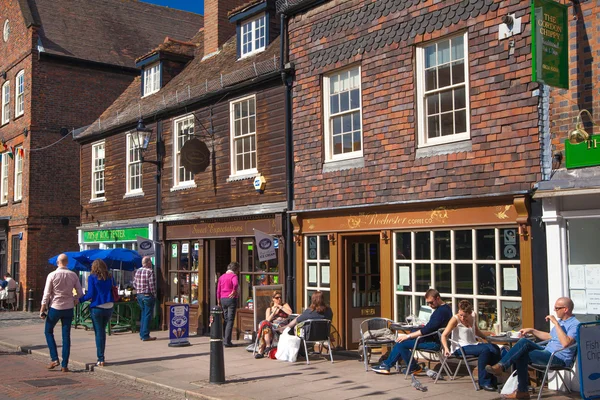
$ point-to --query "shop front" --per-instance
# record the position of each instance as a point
(197, 254)
(380, 263)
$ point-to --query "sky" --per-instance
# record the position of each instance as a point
(196, 6)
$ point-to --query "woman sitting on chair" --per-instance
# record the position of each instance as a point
(276, 315)
(464, 331)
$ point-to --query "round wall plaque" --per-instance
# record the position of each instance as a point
(195, 156)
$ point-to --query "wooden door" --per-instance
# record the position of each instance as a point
(363, 284)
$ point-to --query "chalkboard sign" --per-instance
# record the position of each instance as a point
(263, 295)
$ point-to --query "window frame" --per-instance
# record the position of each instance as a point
(5, 103)
(423, 140)
(20, 94)
(131, 152)
(252, 35)
(4, 172)
(98, 195)
(177, 184)
(16, 257)
(235, 172)
(18, 183)
(328, 117)
(152, 71)
(319, 263)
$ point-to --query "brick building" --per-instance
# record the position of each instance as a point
(220, 92)
(416, 149)
(61, 64)
(570, 186)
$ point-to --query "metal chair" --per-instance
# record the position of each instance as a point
(461, 358)
(438, 353)
(370, 339)
(275, 333)
(316, 331)
(545, 368)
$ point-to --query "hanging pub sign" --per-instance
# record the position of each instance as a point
(195, 156)
(584, 154)
(550, 43)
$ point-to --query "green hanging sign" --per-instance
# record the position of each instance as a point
(114, 235)
(550, 43)
(585, 154)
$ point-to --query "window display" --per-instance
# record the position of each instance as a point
(183, 272)
(254, 272)
(317, 267)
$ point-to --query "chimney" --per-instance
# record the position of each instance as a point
(217, 28)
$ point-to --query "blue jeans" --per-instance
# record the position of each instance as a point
(404, 350)
(147, 306)
(66, 318)
(487, 354)
(100, 319)
(229, 308)
(524, 352)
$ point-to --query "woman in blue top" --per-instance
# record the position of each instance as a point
(100, 292)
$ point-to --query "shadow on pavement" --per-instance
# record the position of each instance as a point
(162, 358)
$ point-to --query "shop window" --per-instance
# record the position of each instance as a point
(255, 272)
(317, 267)
(183, 272)
(343, 115)
(3, 265)
(442, 91)
(480, 265)
(16, 257)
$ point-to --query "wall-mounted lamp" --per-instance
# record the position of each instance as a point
(331, 238)
(141, 139)
(384, 236)
(25, 132)
(579, 135)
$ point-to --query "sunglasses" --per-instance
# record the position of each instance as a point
(278, 297)
(559, 308)
(430, 302)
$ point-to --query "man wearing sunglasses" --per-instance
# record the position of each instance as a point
(405, 343)
(562, 334)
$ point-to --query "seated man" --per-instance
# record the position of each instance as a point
(563, 334)
(439, 319)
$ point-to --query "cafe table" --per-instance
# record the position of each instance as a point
(125, 316)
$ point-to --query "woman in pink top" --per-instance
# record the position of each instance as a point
(227, 293)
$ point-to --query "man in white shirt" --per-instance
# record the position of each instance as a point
(11, 288)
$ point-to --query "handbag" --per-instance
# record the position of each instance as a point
(511, 384)
(288, 346)
(115, 293)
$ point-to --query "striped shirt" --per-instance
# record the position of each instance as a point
(144, 281)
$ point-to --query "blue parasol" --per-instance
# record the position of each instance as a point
(124, 259)
(77, 261)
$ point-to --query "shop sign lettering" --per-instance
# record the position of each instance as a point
(114, 235)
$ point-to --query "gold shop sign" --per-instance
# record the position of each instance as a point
(224, 229)
(441, 216)
(366, 312)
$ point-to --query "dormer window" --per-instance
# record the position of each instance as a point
(253, 36)
(151, 79)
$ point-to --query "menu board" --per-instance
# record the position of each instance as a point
(584, 285)
(263, 295)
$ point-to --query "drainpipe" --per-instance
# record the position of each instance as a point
(289, 165)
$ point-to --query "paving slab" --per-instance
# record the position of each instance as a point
(186, 370)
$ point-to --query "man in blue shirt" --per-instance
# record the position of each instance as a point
(405, 343)
(563, 334)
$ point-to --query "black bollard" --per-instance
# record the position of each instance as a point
(30, 301)
(217, 363)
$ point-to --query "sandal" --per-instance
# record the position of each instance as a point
(258, 355)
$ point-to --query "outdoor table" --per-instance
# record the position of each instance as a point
(504, 339)
(400, 327)
(124, 318)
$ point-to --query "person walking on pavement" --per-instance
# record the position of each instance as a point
(11, 288)
(403, 348)
(100, 286)
(227, 293)
(58, 304)
(145, 287)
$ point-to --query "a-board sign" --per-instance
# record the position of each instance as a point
(263, 295)
(179, 324)
(588, 359)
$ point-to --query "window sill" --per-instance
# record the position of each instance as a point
(339, 165)
(184, 186)
(149, 94)
(17, 201)
(4, 204)
(18, 116)
(252, 53)
(241, 177)
(4, 123)
(446, 148)
(98, 200)
(133, 195)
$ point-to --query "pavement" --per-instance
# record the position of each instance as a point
(185, 370)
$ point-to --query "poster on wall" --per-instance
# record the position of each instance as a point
(579, 300)
(593, 301)
(576, 276)
(592, 276)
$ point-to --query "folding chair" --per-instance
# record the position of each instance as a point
(462, 358)
(370, 330)
(316, 331)
(545, 368)
(275, 333)
(438, 353)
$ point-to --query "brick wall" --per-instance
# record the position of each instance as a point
(584, 91)
(382, 37)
